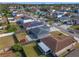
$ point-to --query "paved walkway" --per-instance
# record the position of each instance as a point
(6, 34)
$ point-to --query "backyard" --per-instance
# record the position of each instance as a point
(13, 27)
(7, 41)
(31, 50)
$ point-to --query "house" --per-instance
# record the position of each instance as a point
(39, 32)
(27, 20)
(40, 13)
(22, 21)
(11, 19)
(11, 8)
(14, 13)
(59, 43)
(34, 9)
(59, 14)
(72, 22)
(33, 24)
(64, 18)
(44, 48)
(19, 14)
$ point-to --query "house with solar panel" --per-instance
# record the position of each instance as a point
(35, 28)
(22, 20)
(39, 32)
(30, 24)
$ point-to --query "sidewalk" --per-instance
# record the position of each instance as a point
(6, 34)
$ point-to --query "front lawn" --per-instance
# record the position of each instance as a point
(31, 50)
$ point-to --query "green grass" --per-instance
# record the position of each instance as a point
(18, 54)
(31, 50)
(13, 27)
(75, 27)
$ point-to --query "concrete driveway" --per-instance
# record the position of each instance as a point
(74, 53)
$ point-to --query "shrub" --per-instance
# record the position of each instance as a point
(17, 47)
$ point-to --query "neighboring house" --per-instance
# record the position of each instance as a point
(59, 43)
(72, 22)
(19, 14)
(14, 13)
(59, 14)
(40, 32)
(34, 9)
(23, 21)
(40, 13)
(12, 8)
(33, 24)
(64, 19)
(11, 19)
(17, 17)
(76, 14)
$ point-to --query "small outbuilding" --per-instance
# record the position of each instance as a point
(44, 48)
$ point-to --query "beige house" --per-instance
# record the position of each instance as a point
(59, 43)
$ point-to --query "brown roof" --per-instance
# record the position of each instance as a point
(57, 43)
(58, 36)
(50, 42)
(17, 17)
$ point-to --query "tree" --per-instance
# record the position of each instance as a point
(5, 16)
(17, 47)
(11, 28)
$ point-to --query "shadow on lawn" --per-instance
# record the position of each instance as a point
(37, 50)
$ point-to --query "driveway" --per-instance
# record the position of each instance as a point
(74, 53)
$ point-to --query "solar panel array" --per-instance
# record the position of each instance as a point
(32, 24)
